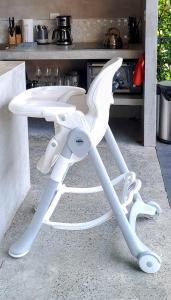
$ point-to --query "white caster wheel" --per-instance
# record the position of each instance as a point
(149, 263)
(158, 209)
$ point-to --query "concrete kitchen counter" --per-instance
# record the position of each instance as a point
(14, 153)
(75, 51)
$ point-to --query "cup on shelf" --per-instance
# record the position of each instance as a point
(74, 78)
(38, 75)
(56, 75)
(47, 76)
(60, 80)
(67, 80)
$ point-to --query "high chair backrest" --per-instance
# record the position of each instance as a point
(99, 99)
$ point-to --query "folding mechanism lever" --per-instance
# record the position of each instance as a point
(46, 161)
(131, 187)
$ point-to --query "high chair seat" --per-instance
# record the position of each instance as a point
(77, 134)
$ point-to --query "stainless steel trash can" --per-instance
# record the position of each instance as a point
(164, 130)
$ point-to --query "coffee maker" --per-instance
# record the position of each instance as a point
(63, 31)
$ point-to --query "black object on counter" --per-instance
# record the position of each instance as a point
(17, 29)
(63, 31)
(11, 27)
(63, 21)
(31, 84)
(133, 30)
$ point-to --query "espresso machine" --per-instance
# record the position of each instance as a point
(62, 34)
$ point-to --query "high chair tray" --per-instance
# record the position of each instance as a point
(43, 102)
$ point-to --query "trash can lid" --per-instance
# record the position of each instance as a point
(165, 83)
(165, 89)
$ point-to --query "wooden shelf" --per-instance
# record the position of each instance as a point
(121, 99)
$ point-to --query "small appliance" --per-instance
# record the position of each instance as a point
(41, 34)
(123, 79)
(63, 31)
(133, 30)
(113, 39)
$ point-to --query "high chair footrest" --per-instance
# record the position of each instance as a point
(80, 226)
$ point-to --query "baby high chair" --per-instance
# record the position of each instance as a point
(77, 135)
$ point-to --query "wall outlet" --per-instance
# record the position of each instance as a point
(53, 15)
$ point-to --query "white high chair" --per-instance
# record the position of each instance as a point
(77, 136)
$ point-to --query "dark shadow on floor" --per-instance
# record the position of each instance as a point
(164, 157)
(127, 130)
(40, 127)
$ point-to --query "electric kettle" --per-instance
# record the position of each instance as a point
(41, 32)
(113, 39)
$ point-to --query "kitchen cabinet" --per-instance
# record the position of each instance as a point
(78, 52)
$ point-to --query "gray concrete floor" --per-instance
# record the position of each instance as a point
(93, 264)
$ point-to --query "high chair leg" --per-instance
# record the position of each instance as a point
(23, 245)
(149, 262)
(151, 208)
(109, 137)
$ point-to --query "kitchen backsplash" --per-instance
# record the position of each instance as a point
(3, 31)
(83, 30)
